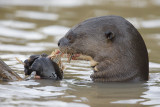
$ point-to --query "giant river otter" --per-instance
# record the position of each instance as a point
(115, 46)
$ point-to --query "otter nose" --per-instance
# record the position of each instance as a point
(63, 41)
(58, 43)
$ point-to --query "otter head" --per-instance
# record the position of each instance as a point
(114, 43)
(92, 37)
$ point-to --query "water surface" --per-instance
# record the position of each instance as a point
(34, 27)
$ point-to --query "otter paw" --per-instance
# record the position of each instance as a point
(100, 80)
(93, 63)
(96, 78)
(95, 69)
(99, 74)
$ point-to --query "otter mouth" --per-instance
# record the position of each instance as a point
(75, 55)
(93, 63)
(78, 55)
(71, 54)
(72, 57)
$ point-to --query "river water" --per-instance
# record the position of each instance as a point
(34, 26)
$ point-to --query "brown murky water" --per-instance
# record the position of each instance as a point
(34, 27)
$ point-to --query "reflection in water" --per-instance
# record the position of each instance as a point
(55, 30)
(65, 3)
(140, 23)
(17, 48)
(34, 27)
(14, 33)
(36, 15)
(17, 24)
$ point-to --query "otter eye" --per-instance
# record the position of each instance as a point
(109, 35)
(71, 37)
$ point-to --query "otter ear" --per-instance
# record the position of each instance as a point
(109, 35)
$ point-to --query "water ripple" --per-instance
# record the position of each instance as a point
(21, 34)
(19, 48)
(52, 103)
(36, 15)
(55, 30)
(17, 24)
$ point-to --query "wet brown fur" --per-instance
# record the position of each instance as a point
(121, 57)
